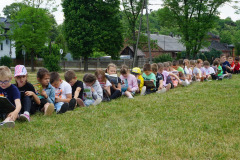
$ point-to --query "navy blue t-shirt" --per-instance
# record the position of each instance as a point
(11, 93)
(224, 66)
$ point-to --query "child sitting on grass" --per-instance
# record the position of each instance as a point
(225, 64)
(129, 82)
(12, 93)
(149, 76)
(137, 73)
(45, 92)
(104, 83)
(197, 73)
(159, 79)
(28, 93)
(77, 87)
(236, 66)
(63, 94)
(93, 93)
(231, 62)
(208, 70)
(114, 80)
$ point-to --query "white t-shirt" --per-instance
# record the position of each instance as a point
(197, 71)
(186, 70)
(209, 71)
(102, 84)
(63, 90)
(190, 71)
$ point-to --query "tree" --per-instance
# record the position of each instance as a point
(12, 10)
(31, 28)
(92, 26)
(132, 9)
(194, 18)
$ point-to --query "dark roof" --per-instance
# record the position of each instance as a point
(139, 52)
(211, 35)
(219, 46)
(6, 23)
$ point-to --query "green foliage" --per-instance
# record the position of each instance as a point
(194, 19)
(51, 61)
(31, 27)
(12, 10)
(210, 56)
(92, 25)
(163, 58)
(6, 61)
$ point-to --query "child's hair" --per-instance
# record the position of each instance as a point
(165, 64)
(192, 62)
(199, 61)
(230, 57)
(147, 67)
(42, 72)
(216, 62)
(180, 62)
(236, 58)
(111, 65)
(154, 67)
(222, 55)
(54, 76)
(69, 75)
(206, 63)
(160, 66)
(5, 72)
(186, 62)
(102, 73)
(124, 69)
(170, 63)
(218, 59)
(175, 63)
(89, 78)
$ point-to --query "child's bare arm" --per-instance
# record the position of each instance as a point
(35, 97)
(171, 74)
(13, 115)
(160, 85)
(67, 100)
(76, 93)
(108, 90)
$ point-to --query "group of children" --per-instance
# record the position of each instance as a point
(52, 93)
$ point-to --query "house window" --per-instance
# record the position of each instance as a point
(1, 46)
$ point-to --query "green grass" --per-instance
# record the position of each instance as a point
(201, 121)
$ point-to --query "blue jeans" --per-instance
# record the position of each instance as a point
(58, 106)
(88, 102)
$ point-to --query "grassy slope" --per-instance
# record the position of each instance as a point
(198, 122)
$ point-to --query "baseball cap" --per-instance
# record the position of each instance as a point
(136, 70)
(20, 70)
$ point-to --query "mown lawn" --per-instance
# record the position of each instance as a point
(201, 121)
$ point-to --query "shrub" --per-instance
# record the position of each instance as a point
(163, 58)
(210, 56)
(6, 61)
(51, 61)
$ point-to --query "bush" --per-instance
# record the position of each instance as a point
(51, 61)
(163, 58)
(6, 61)
(210, 56)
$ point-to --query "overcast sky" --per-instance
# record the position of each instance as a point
(225, 11)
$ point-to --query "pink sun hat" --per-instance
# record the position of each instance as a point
(20, 70)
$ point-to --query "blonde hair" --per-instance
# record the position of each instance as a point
(102, 73)
(5, 72)
(111, 65)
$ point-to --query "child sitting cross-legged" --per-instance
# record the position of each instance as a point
(136, 71)
(45, 91)
(93, 93)
(11, 92)
(29, 99)
(148, 75)
(63, 94)
(129, 82)
(77, 87)
(104, 83)
(159, 79)
(209, 71)
(114, 80)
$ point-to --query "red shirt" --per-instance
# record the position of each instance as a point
(237, 66)
(232, 65)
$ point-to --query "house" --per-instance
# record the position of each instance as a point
(6, 44)
(128, 50)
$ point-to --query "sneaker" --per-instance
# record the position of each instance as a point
(162, 90)
(97, 101)
(143, 91)
(9, 124)
(64, 108)
(80, 102)
(72, 104)
(24, 118)
(49, 110)
(184, 83)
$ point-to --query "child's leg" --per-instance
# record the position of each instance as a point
(48, 109)
(88, 102)
(128, 94)
(115, 94)
(72, 104)
(58, 106)
(168, 87)
(80, 102)
(26, 106)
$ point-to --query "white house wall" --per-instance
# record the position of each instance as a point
(6, 49)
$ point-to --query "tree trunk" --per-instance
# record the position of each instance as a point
(85, 64)
(32, 60)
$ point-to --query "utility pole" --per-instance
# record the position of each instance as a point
(145, 4)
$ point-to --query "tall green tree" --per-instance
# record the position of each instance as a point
(31, 28)
(11, 10)
(195, 18)
(92, 26)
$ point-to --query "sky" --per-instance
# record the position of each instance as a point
(225, 11)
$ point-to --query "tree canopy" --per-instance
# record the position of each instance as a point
(92, 26)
